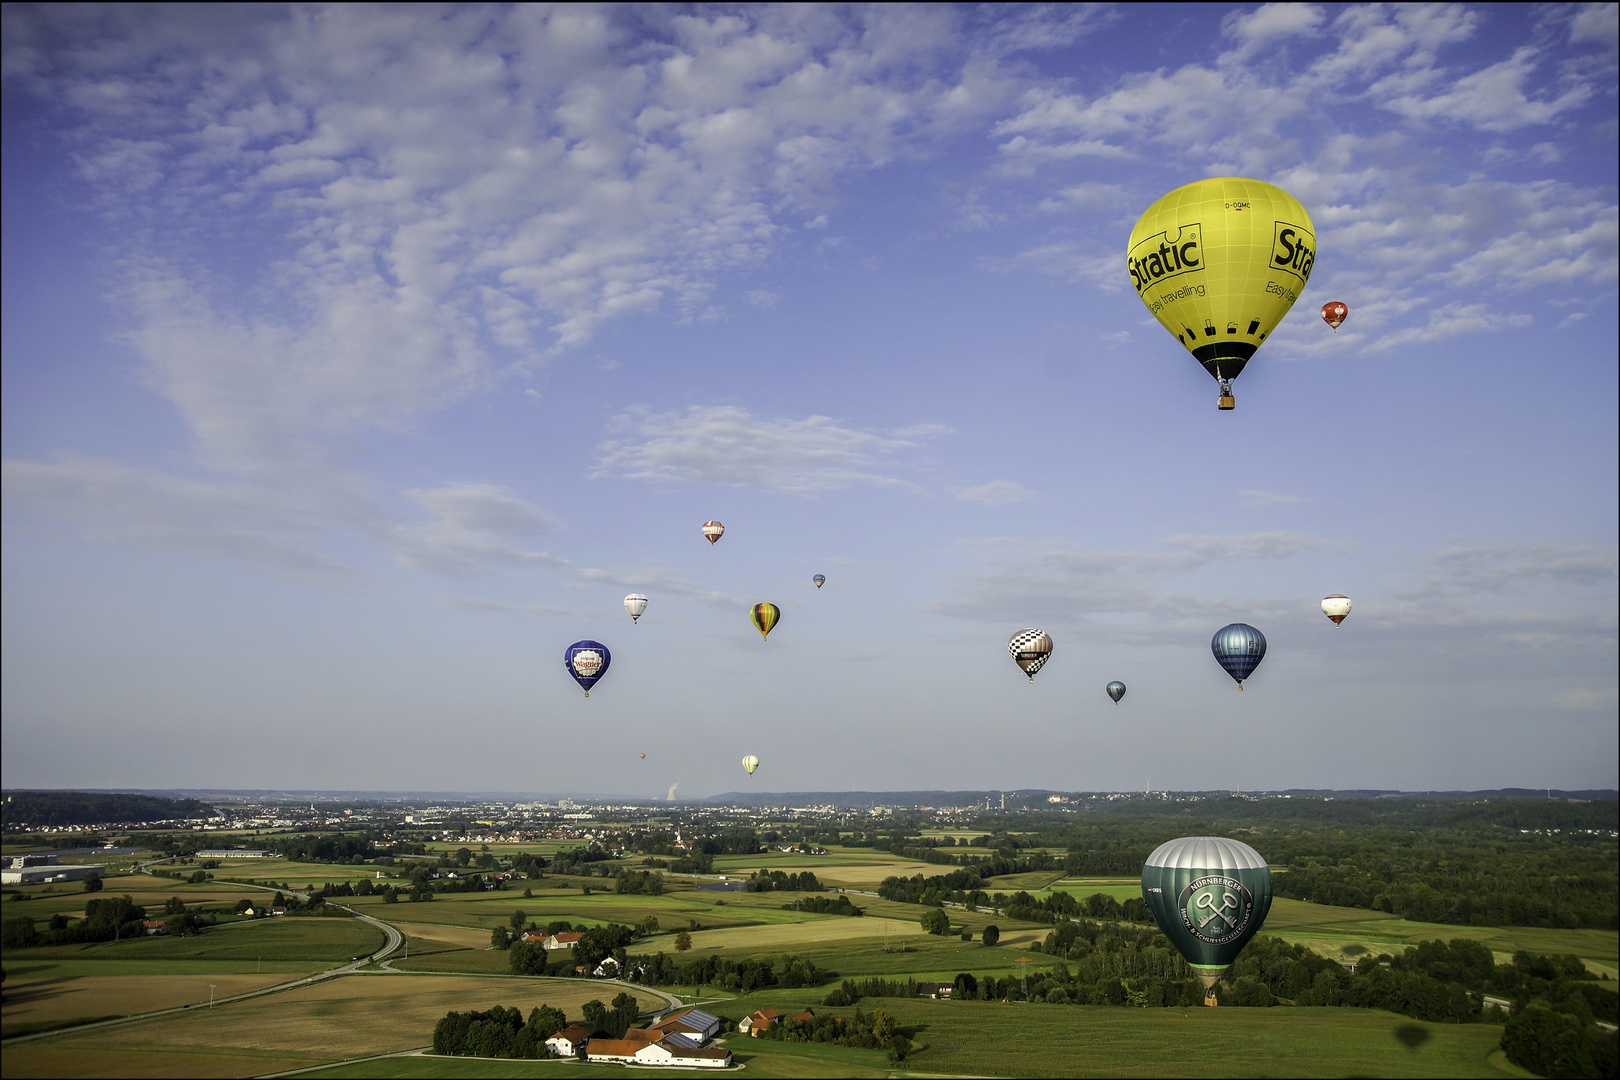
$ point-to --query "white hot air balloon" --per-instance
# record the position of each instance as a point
(713, 531)
(635, 604)
(750, 763)
(1336, 607)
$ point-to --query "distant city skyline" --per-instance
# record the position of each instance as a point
(358, 360)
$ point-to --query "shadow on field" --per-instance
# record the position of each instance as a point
(37, 991)
(1412, 1036)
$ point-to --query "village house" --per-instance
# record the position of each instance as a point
(695, 1024)
(673, 1050)
(568, 1041)
(607, 969)
(534, 937)
(935, 990)
(562, 941)
(758, 1021)
(154, 928)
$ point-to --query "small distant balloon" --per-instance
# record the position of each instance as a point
(587, 661)
(765, 617)
(635, 604)
(1031, 648)
(750, 763)
(643, 757)
(1336, 607)
(1334, 314)
(1116, 690)
(1238, 648)
(713, 531)
(820, 580)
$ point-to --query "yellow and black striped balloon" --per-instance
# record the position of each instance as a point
(765, 617)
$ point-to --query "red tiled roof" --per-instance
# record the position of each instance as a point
(621, 1047)
(573, 1033)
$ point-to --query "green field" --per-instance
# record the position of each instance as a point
(333, 1020)
(974, 1039)
(321, 940)
(450, 965)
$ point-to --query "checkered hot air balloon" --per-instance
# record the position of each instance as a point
(1031, 648)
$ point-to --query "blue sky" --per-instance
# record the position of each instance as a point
(357, 360)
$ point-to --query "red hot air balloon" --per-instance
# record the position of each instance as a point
(1334, 314)
(713, 531)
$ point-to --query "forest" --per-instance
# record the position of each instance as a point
(1518, 862)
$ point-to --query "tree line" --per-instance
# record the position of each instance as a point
(56, 809)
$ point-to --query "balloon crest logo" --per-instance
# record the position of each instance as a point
(587, 663)
(1215, 909)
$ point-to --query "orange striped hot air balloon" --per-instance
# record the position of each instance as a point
(765, 617)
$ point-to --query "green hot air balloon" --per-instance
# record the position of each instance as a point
(1209, 896)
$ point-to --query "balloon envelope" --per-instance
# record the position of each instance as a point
(712, 531)
(1239, 648)
(1209, 896)
(587, 661)
(820, 580)
(1334, 313)
(635, 604)
(1031, 648)
(1116, 690)
(750, 763)
(1219, 263)
(765, 616)
(1336, 607)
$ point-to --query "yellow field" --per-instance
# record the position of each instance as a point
(854, 874)
(65, 997)
(458, 937)
(353, 1016)
(820, 931)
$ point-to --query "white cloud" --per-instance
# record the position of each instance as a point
(1452, 320)
(1121, 594)
(1252, 497)
(1595, 23)
(478, 604)
(1493, 98)
(129, 506)
(1605, 699)
(996, 493)
(1272, 22)
(476, 527)
(1504, 568)
(726, 444)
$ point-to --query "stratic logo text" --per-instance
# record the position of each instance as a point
(1172, 252)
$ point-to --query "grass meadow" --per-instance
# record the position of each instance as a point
(450, 966)
(340, 1018)
(976, 1039)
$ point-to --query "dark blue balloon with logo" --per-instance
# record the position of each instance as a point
(1239, 648)
(587, 661)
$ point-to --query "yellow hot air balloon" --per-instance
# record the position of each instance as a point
(750, 763)
(765, 617)
(1219, 263)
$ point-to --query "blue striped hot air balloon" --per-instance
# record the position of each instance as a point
(1239, 648)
